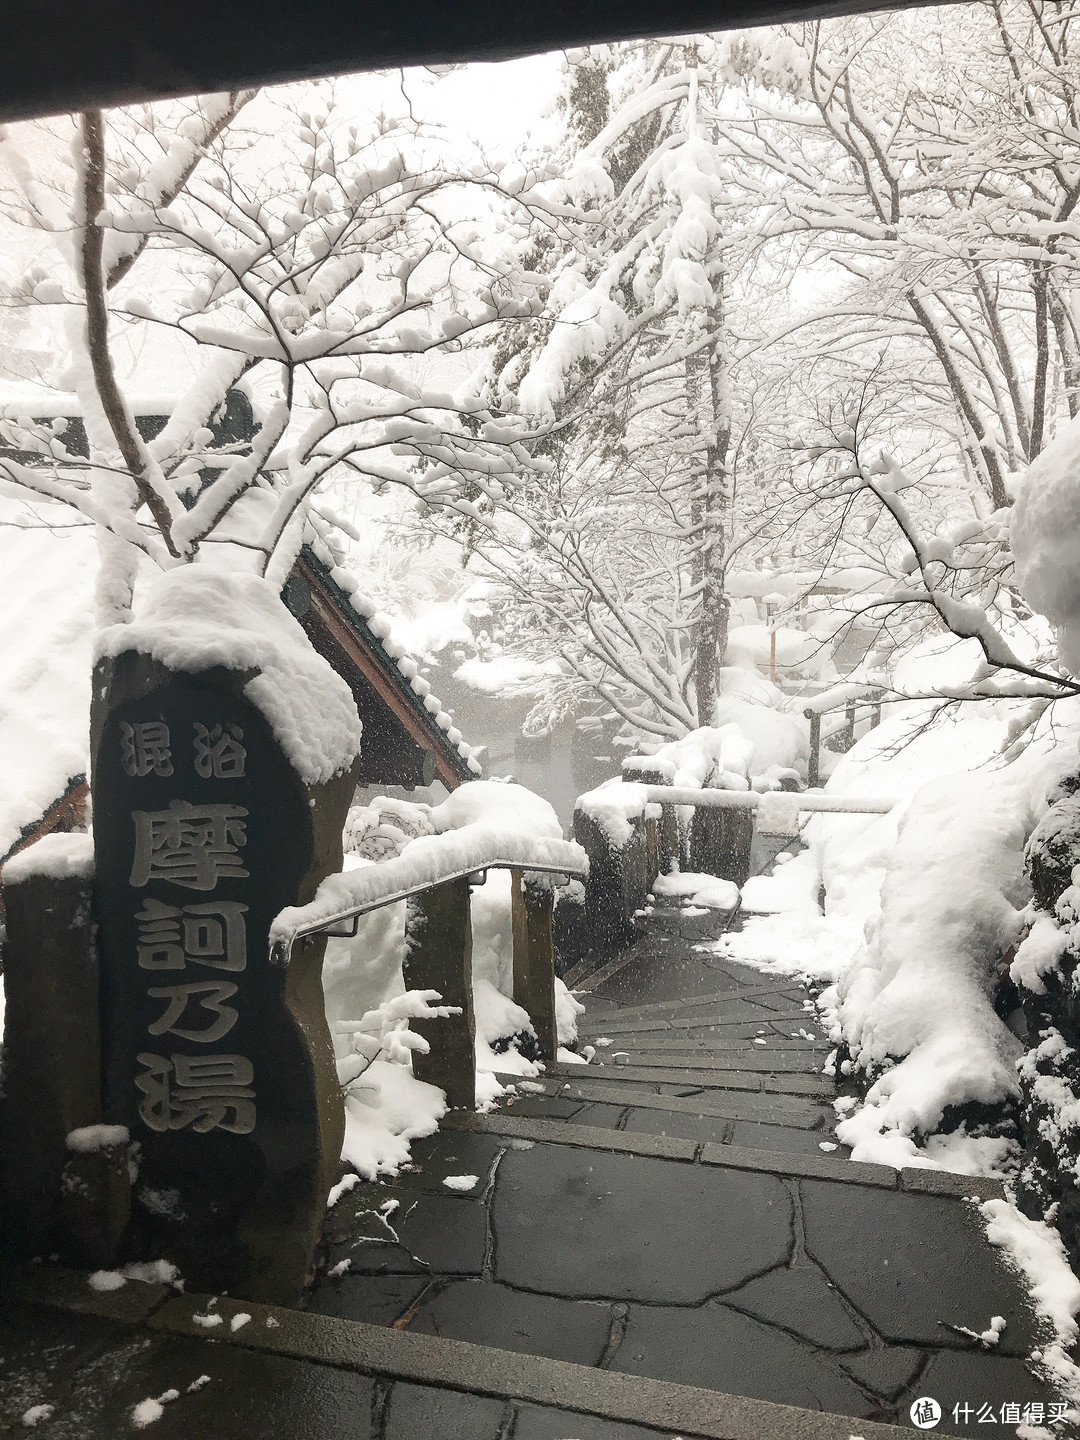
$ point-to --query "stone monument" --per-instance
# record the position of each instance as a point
(214, 808)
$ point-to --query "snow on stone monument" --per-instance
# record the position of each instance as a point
(223, 756)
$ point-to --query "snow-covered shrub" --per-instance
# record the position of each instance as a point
(921, 907)
(362, 976)
(915, 1009)
(385, 1105)
(381, 829)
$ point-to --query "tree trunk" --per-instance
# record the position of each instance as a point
(710, 488)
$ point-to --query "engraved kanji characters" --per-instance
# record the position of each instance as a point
(172, 935)
(214, 993)
(205, 1092)
(190, 845)
(219, 754)
(145, 747)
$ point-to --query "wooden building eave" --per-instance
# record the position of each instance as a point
(340, 633)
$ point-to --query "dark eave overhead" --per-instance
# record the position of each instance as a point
(402, 736)
(60, 55)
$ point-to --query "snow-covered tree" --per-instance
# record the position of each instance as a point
(313, 263)
(924, 159)
(617, 552)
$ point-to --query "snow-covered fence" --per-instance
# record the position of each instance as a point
(625, 827)
(634, 829)
(434, 876)
(620, 833)
(850, 699)
(751, 800)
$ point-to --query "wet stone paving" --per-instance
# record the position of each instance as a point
(678, 1210)
(669, 1211)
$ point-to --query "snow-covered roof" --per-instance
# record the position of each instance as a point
(48, 564)
(26, 399)
(48, 560)
(401, 667)
(23, 400)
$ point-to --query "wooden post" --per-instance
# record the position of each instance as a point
(850, 719)
(652, 845)
(772, 656)
(438, 956)
(720, 842)
(534, 958)
(53, 1196)
(618, 884)
(813, 771)
(667, 853)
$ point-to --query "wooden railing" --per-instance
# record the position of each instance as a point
(716, 842)
(435, 877)
(850, 699)
(751, 800)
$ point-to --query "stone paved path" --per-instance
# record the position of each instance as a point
(654, 1245)
(668, 1211)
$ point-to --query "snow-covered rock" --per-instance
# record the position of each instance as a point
(193, 617)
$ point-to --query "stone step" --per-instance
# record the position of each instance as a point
(588, 974)
(692, 1042)
(447, 1386)
(671, 1147)
(715, 1104)
(691, 1002)
(719, 1079)
(755, 1061)
(750, 1014)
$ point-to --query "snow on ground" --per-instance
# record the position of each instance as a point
(921, 904)
(1035, 1250)
(704, 890)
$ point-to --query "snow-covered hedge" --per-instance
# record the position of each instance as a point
(921, 908)
(366, 1002)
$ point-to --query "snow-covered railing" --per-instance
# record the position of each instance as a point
(850, 698)
(430, 861)
(752, 800)
(634, 830)
(434, 876)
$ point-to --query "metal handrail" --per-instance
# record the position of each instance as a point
(751, 799)
(389, 881)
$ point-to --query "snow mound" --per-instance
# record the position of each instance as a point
(506, 674)
(47, 571)
(916, 1005)
(705, 890)
(193, 618)
(383, 1114)
(500, 807)
(921, 906)
(1044, 532)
